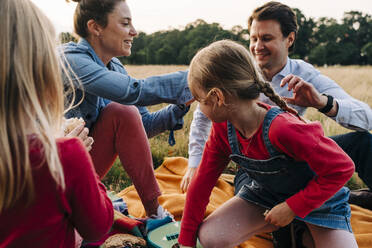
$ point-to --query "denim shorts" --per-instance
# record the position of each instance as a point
(334, 213)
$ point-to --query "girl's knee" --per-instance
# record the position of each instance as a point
(212, 242)
(208, 238)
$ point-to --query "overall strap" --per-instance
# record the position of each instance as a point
(270, 116)
(233, 139)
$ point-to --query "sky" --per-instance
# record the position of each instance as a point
(150, 16)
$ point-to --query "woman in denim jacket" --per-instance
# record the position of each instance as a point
(106, 31)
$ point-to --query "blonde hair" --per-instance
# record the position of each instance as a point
(31, 98)
(230, 67)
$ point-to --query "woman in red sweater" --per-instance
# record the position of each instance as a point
(292, 171)
(48, 185)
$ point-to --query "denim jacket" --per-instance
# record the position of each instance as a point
(103, 84)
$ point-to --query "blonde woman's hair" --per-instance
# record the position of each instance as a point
(230, 67)
(31, 98)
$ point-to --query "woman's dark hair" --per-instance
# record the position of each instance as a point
(96, 10)
(279, 12)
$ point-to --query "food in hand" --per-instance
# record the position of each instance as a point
(72, 123)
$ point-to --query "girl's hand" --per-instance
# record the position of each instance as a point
(280, 215)
(81, 132)
(187, 178)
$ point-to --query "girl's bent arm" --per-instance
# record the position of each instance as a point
(306, 142)
(215, 159)
(91, 211)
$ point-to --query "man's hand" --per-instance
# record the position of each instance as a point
(187, 178)
(304, 93)
(280, 215)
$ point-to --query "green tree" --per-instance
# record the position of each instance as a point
(65, 37)
(367, 52)
(304, 40)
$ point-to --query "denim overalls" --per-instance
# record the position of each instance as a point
(270, 182)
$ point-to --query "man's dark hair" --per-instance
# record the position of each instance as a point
(279, 12)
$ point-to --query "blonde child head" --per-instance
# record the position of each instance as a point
(31, 97)
(228, 66)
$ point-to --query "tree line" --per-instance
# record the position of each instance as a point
(323, 41)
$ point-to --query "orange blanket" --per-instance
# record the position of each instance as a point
(169, 176)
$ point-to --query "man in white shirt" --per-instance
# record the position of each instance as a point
(273, 30)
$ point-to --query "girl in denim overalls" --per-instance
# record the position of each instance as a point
(288, 169)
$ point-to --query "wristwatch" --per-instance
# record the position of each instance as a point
(328, 106)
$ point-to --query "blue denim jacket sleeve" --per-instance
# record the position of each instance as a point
(167, 118)
(116, 85)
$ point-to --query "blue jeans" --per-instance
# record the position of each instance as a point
(358, 145)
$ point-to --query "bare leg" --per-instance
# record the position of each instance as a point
(233, 223)
(331, 238)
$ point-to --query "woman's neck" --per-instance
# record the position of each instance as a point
(95, 44)
(247, 117)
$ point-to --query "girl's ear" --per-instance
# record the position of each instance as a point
(94, 28)
(220, 97)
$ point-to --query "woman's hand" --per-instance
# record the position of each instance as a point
(187, 178)
(81, 132)
(280, 215)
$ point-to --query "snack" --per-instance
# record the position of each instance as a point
(72, 123)
(124, 240)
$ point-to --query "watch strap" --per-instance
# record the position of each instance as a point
(328, 106)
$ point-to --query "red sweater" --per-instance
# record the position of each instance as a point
(303, 142)
(52, 217)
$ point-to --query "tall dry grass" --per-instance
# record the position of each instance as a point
(355, 80)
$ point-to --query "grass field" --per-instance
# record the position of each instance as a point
(355, 80)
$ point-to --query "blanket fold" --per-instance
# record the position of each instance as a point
(169, 176)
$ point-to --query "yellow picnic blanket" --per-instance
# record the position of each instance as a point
(169, 176)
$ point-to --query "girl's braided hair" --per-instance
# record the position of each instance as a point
(230, 67)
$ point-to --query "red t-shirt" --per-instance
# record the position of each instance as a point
(52, 217)
(289, 135)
